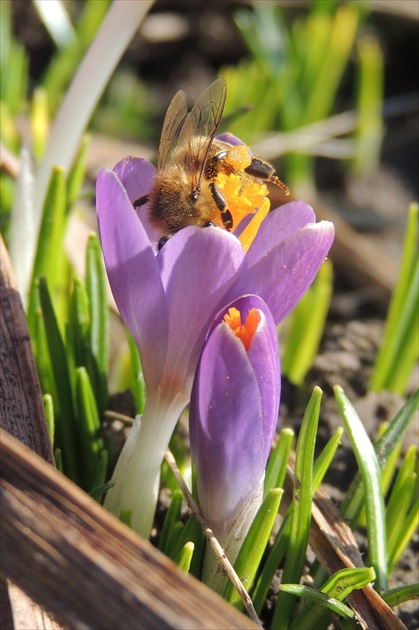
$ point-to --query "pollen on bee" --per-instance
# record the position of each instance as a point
(239, 157)
(246, 331)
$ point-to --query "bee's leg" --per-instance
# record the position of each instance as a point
(263, 170)
(221, 204)
(141, 201)
(213, 164)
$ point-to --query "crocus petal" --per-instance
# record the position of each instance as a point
(133, 274)
(198, 267)
(137, 176)
(233, 414)
(264, 356)
(283, 276)
(279, 225)
(285, 258)
(223, 449)
(230, 138)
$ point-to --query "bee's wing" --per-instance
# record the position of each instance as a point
(172, 126)
(199, 129)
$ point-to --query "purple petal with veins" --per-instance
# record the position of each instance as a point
(234, 411)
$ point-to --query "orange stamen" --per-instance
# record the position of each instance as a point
(246, 331)
(248, 235)
(243, 194)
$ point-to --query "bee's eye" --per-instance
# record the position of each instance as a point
(162, 241)
(194, 195)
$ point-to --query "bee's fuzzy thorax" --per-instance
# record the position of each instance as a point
(201, 179)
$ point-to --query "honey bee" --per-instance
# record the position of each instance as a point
(190, 159)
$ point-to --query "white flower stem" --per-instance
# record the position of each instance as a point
(137, 473)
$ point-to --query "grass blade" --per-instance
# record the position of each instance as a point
(409, 528)
(404, 299)
(369, 133)
(384, 448)
(78, 337)
(400, 594)
(138, 384)
(192, 532)
(307, 325)
(184, 559)
(371, 478)
(39, 340)
(172, 516)
(301, 516)
(39, 121)
(325, 458)
(99, 320)
(405, 478)
(337, 587)
(49, 415)
(65, 427)
(321, 599)
(77, 174)
(278, 461)
(49, 250)
(280, 545)
(88, 421)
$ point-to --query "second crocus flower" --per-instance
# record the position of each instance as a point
(233, 417)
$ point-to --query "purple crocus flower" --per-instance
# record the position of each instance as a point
(167, 299)
(233, 416)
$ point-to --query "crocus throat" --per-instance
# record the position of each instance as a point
(246, 331)
(243, 195)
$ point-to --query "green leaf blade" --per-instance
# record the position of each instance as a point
(301, 516)
(99, 319)
(253, 547)
(65, 428)
(371, 477)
